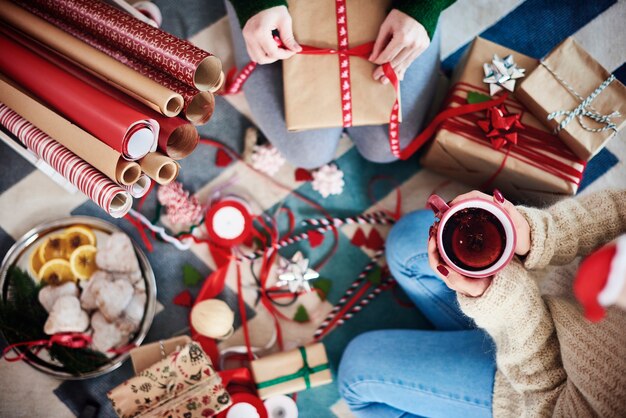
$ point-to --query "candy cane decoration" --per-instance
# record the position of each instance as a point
(375, 218)
(344, 299)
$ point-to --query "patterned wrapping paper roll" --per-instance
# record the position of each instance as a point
(142, 88)
(198, 105)
(108, 195)
(122, 128)
(176, 57)
(141, 187)
(177, 138)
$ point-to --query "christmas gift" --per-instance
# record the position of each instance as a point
(493, 141)
(146, 355)
(332, 86)
(184, 385)
(291, 371)
(573, 94)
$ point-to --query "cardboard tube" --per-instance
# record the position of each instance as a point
(86, 146)
(140, 187)
(150, 93)
(177, 138)
(159, 167)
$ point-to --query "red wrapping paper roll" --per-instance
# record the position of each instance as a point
(176, 57)
(122, 128)
(177, 138)
(95, 185)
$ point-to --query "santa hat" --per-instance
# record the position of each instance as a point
(601, 278)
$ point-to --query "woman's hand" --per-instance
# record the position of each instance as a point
(260, 42)
(471, 286)
(401, 39)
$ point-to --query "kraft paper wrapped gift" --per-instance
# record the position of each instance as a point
(291, 371)
(313, 83)
(146, 355)
(461, 149)
(566, 78)
(183, 385)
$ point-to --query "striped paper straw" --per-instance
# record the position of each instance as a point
(105, 193)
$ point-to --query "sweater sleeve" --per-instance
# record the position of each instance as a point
(574, 227)
(247, 8)
(424, 11)
(514, 314)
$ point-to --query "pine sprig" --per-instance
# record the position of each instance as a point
(22, 318)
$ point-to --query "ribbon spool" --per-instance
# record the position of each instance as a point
(281, 406)
(228, 222)
(245, 405)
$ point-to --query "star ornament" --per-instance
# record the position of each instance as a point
(296, 274)
(501, 127)
(501, 74)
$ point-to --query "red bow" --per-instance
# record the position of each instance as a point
(501, 126)
(71, 340)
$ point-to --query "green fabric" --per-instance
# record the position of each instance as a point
(305, 372)
(424, 11)
(247, 8)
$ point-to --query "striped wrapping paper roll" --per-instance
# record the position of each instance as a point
(95, 185)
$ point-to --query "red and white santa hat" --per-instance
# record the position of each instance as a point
(601, 278)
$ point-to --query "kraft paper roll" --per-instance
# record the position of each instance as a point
(116, 124)
(86, 146)
(159, 167)
(95, 185)
(177, 57)
(150, 93)
(177, 138)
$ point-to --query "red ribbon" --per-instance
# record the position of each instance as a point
(70, 340)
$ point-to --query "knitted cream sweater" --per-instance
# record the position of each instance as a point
(550, 360)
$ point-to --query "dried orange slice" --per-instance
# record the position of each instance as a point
(34, 262)
(83, 261)
(77, 236)
(56, 271)
(55, 246)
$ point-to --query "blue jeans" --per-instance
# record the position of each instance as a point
(316, 147)
(447, 372)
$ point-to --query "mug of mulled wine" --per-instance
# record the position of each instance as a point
(475, 237)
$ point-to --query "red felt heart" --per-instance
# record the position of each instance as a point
(358, 239)
(315, 238)
(183, 299)
(303, 175)
(375, 241)
(222, 159)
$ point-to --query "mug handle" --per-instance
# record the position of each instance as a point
(438, 205)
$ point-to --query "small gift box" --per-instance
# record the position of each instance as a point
(146, 355)
(183, 385)
(334, 89)
(573, 94)
(291, 371)
(501, 146)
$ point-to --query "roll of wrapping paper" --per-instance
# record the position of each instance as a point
(159, 167)
(119, 126)
(177, 138)
(198, 105)
(149, 92)
(108, 195)
(176, 57)
(86, 146)
(140, 187)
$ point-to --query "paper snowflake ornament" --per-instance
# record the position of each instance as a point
(501, 74)
(328, 180)
(295, 274)
(266, 159)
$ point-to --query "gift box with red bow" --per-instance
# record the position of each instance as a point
(503, 146)
(331, 85)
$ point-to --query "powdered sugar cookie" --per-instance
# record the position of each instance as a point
(49, 294)
(66, 316)
(117, 255)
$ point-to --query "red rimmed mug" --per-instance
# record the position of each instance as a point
(475, 237)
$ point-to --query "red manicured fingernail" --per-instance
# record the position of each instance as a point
(498, 195)
(442, 270)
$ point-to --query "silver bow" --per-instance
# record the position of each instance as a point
(501, 74)
(295, 274)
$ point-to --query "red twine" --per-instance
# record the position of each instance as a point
(70, 340)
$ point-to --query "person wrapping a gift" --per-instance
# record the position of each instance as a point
(305, 114)
(514, 343)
